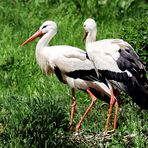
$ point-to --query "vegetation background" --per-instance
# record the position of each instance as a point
(34, 108)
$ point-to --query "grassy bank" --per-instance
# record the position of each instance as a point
(34, 108)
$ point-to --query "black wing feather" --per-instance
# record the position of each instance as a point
(88, 75)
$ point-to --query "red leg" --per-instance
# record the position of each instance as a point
(116, 111)
(116, 114)
(112, 101)
(88, 109)
(72, 109)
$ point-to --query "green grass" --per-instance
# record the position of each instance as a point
(34, 108)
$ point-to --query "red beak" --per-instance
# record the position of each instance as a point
(84, 35)
(34, 36)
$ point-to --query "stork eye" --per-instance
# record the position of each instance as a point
(44, 26)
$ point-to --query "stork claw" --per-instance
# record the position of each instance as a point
(76, 134)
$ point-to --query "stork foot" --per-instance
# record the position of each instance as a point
(108, 133)
(76, 134)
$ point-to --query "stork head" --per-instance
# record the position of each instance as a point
(48, 26)
(90, 28)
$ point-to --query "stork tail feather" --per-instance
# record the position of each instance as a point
(139, 93)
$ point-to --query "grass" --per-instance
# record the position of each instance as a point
(34, 108)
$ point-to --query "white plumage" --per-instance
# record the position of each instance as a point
(70, 64)
(104, 54)
(114, 55)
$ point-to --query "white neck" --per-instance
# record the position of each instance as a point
(91, 37)
(42, 43)
(45, 39)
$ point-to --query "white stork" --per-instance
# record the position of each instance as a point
(117, 61)
(71, 66)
